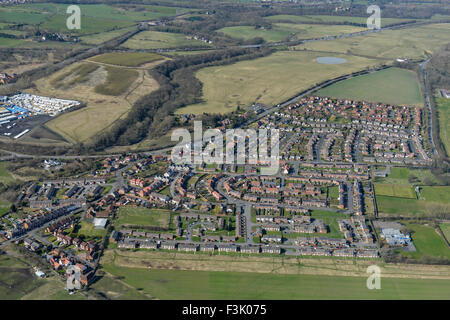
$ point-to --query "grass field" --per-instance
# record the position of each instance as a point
(144, 217)
(443, 111)
(399, 175)
(282, 31)
(394, 86)
(436, 194)
(99, 38)
(139, 13)
(415, 42)
(116, 290)
(88, 231)
(117, 81)
(393, 190)
(127, 59)
(445, 227)
(5, 175)
(250, 32)
(268, 80)
(156, 39)
(177, 284)
(328, 19)
(89, 25)
(427, 242)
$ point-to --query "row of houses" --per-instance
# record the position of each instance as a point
(192, 247)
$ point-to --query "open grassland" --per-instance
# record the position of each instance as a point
(111, 12)
(427, 242)
(144, 217)
(176, 284)
(393, 190)
(22, 15)
(282, 31)
(87, 230)
(5, 175)
(20, 43)
(89, 25)
(115, 289)
(173, 275)
(394, 86)
(417, 42)
(332, 19)
(127, 59)
(117, 81)
(149, 259)
(156, 40)
(436, 194)
(400, 175)
(108, 93)
(445, 227)
(268, 80)
(99, 38)
(443, 111)
(250, 32)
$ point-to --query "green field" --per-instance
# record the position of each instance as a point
(99, 38)
(400, 175)
(417, 43)
(144, 217)
(443, 111)
(87, 230)
(402, 206)
(283, 31)
(127, 59)
(427, 242)
(89, 25)
(177, 284)
(5, 175)
(327, 19)
(445, 227)
(156, 39)
(394, 86)
(250, 32)
(393, 190)
(16, 14)
(435, 194)
(117, 81)
(125, 13)
(268, 80)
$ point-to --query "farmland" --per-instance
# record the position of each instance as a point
(443, 111)
(332, 19)
(267, 80)
(394, 86)
(156, 40)
(282, 31)
(142, 216)
(414, 43)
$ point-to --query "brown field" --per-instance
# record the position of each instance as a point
(102, 110)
